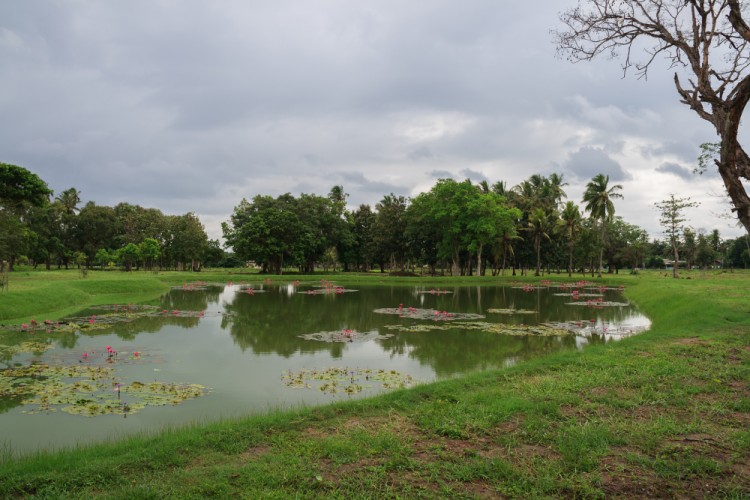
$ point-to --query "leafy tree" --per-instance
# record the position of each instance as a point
(148, 252)
(128, 255)
(708, 38)
(598, 199)
(20, 190)
(389, 230)
(705, 255)
(422, 232)
(671, 219)
(186, 241)
(363, 221)
(267, 231)
(487, 217)
(103, 257)
(95, 228)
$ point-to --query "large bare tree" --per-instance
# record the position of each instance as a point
(707, 41)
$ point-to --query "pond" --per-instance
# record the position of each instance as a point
(211, 351)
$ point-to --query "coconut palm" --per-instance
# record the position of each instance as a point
(539, 225)
(598, 199)
(569, 225)
(69, 200)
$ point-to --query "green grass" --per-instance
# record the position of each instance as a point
(664, 413)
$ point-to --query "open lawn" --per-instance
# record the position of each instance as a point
(662, 414)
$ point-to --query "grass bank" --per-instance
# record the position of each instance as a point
(662, 414)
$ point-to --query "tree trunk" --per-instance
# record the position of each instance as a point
(479, 260)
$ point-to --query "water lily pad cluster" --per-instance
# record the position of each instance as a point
(588, 328)
(435, 291)
(511, 310)
(596, 304)
(345, 335)
(577, 294)
(249, 290)
(31, 347)
(88, 390)
(497, 328)
(345, 380)
(428, 314)
(336, 290)
(112, 314)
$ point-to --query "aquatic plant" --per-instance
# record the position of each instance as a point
(345, 335)
(497, 328)
(345, 380)
(511, 311)
(427, 314)
(87, 390)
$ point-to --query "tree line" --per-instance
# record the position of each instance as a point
(56, 231)
(457, 228)
(461, 228)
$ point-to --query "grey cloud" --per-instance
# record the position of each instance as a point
(441, 174)
(473, 175)
(422, 153)
(362, 183)
(675, 169)
(588, 162)
(181, 107)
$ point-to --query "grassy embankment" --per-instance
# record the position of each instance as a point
(665, 413)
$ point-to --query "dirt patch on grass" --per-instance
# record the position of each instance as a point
(254, 453)
(692, 341)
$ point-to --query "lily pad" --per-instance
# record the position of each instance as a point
(345, 380)
(598, 303)
(497, 328)
(88, 390)
(511, 311)
(345, 336)
(427, 314)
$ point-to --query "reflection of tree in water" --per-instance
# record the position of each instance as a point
(455, 352)
(7, 404)
(190, 300)
(271, 322)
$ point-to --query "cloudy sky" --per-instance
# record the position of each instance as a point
(188, 105)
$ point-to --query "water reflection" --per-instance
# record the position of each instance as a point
(241, 343)
(271, 322)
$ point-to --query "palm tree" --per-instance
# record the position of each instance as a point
(539, 226)
(570, 225)
(598, 199)
(69, 200)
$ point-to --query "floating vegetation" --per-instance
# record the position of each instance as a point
(576, 294)
(427, 314)
(345, 335)
(249, 290)
(326, 288)
(344, 380)
(598, 303)
(113, 314)
(435, 291)
(511, 311)
(498, 328)
(336, 290)
(31, 347)
(589, 328)
(88, 390)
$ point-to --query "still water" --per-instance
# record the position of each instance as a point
(245, 347)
